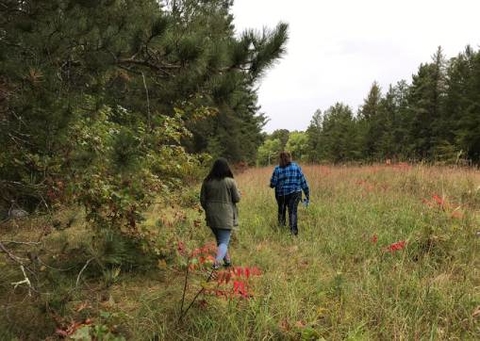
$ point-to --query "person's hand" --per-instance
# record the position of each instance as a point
(306, 201)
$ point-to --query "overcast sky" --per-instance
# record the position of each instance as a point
(338, 48)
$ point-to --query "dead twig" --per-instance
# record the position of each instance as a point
(17, 242)
(184, 291)
(11, 255)
(26, 280)
(81, 271)
(183, 313)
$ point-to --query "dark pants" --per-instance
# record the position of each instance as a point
(290, 202)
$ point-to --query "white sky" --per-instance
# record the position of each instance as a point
(338, 48)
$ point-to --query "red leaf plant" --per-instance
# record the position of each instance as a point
(69, 329)
(397, 246)
(231, 282)
(441, 202)
(200, 256)
(181, 247)
(234, 282)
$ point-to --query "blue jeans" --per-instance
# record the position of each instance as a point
(222, 236)
(290, 202)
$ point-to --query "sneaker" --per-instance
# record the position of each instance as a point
(215, 266)
(227, 263)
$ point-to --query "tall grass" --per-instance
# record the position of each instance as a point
(338, 279)
(383, 253)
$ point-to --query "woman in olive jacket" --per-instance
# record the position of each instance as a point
(218, 197)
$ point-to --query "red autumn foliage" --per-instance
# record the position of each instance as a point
(231, 282)
(439, 200)
(441, 203)
(181, 248)
(199, 257)
(234, 282)
(239, 288)
(72, 327)
(397, 246)
(207, 249)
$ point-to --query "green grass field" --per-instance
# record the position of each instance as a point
(383, 253)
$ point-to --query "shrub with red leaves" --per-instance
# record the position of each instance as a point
(234, 282)
(397, 246)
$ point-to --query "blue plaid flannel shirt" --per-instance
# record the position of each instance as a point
(289, 179)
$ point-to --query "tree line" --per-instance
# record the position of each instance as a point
(435, 118)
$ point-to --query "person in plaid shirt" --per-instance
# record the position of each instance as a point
(289, 181)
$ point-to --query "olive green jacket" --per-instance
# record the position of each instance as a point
(218, 198)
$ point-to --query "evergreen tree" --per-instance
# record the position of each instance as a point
(401, 121)
(98, 94)
(338, 134)
(463, 105)
(390, 143)
(426, 97)
(372, 122)
(229, 68)
(314, 135)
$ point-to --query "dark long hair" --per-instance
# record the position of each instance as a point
(284, 159)
(220, 170)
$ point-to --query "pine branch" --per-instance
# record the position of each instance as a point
(152, 66)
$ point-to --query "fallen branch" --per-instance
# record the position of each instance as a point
(25, 281)
(11, 255)
(17, 242)
(80, 273)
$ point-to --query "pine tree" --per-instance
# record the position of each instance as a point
(314, 133)
(463, 104)
(391, 143)
(99, 93)
(372, 120)
(338, 134)
(426, 98)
